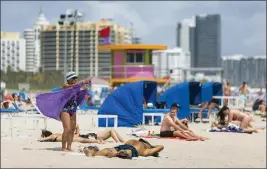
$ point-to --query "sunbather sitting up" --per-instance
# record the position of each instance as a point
(132, 148)
(173, 127)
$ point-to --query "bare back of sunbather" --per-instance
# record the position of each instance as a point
(143, 148)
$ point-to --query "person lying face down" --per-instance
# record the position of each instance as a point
(103, 135)
(173, 127)
(48, 136)
(132, 148)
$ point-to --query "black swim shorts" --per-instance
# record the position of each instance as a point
(166, 133)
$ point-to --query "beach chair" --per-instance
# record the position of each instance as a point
(15, 112)
(10, 112)
(33, 101)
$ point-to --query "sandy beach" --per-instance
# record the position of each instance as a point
(222, 150)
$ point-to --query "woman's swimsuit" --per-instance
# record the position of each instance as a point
(127, 147)
(71, 106)
(234, 117)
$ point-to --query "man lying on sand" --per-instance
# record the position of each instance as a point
(48, 136)
(173, 127)
(243, 120)
(132, 148)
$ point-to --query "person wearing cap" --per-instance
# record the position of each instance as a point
(68, 115)
(213, 104)
(171, 122)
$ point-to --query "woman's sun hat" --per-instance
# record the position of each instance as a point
(71, 75)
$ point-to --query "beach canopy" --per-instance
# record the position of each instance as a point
(184, 94)
(127, 102)
(210, 89)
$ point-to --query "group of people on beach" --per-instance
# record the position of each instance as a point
(171, 127)
(15, 101)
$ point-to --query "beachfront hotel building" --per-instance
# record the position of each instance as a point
(132, 62)
(83, 40)
(32, 38)
(12, 52)
(240, 68)
(201, 36)
(171, 62)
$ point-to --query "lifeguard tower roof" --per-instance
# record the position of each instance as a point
(132, 46)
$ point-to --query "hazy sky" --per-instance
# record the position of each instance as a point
(243, 23)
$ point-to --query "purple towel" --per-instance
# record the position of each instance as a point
(51, 104)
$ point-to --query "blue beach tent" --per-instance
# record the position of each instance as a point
(184, 94)
(127, 102)
(210, 89)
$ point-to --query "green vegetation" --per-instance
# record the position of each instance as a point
(37, 81)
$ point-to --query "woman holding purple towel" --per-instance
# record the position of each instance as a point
(68, 114)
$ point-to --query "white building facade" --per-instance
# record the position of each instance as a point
(32, 38)
(170, 63)
(12, 53)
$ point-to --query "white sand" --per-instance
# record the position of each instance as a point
(222, 150)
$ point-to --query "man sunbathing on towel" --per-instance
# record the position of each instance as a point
(173, 127)
(132, 148)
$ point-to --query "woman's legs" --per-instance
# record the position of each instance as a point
(203, 107)
(117, 135)
(245, 125)
(106, 134)
(73, 127)
(65, 118)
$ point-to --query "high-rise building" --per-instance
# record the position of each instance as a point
(12, 52)
(184, 33)
(83, 57)
(171, 62)
(32, 37)
(202, 37)
(239, 68)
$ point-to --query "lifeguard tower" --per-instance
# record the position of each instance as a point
(132, 62)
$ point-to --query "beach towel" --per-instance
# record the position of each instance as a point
(225, 130)
(158, 137)
(232, 127)
(51, 104)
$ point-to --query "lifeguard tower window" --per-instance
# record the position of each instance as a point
(135, 58)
